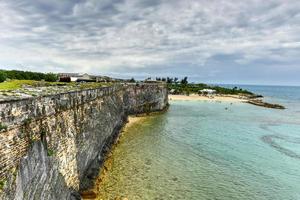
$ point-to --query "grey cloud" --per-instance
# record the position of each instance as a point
(151, 36)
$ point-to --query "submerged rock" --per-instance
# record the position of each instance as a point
(265, 104)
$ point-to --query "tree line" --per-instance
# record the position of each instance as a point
(184, 87)
(175, 80)
(27, 75)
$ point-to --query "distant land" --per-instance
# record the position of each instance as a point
(22, 80)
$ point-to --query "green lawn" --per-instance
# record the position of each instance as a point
(15, 84)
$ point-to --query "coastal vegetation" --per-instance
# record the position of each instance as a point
(18, 84)
(15, 79)
(27, 75)
(2, 184)
(3, 127)
(182, 86)
(2, 76)
(195, 88)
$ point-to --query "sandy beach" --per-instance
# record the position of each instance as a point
(133, 120)
(194, 97)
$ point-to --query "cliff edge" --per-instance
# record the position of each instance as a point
(56, 144)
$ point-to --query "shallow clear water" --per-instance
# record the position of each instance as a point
(199, 150)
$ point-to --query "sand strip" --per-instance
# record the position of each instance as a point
(133, 120)
(193, 97)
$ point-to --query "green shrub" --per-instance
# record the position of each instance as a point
(2, 127)
(50, 77)
(188, 88)
(27, 121)
(3, 76)
(27, 75)
(132, 80)
(2, 184)
(50, 152)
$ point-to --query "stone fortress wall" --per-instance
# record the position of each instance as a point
(74, 128)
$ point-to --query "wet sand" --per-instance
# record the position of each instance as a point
(132, 120)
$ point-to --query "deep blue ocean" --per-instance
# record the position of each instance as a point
(200, 150)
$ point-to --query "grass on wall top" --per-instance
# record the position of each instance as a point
(17, 84)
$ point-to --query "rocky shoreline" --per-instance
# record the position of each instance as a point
(259, 102)
(90, 191)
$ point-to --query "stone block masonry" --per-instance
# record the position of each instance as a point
(74, 128)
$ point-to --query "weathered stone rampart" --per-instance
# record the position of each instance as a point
(74, 128)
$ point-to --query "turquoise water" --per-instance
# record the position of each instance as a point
(199, 150)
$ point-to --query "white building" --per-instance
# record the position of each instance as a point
(75, 77)
(207, 91)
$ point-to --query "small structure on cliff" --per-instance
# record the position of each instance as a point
(207, 92)
(68, 77)
(76, 77)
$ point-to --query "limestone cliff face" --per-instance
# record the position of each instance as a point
(67, 136)
(39, 178)
(143, 99)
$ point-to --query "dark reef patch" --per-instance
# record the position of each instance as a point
(270, 140)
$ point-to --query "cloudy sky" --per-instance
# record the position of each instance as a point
(218, 41)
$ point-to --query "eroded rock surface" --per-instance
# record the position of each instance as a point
(38, 178)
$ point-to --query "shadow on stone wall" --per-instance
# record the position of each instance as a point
(37, 178)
